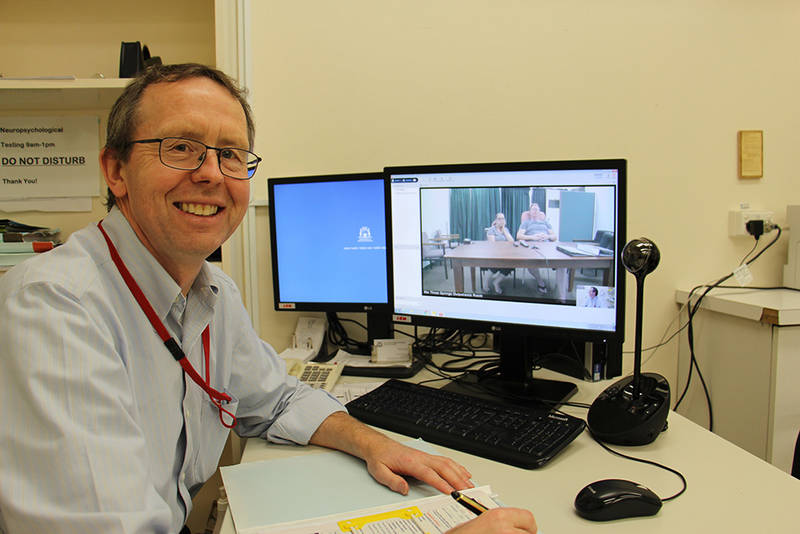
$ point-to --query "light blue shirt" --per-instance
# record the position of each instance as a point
(532, 227)
(100, 430)
(497, 234)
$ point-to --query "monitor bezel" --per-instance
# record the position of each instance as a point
(613, 336)
(345, 307)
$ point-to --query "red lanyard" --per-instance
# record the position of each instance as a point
(216, 397)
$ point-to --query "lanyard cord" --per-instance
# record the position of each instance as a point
(217, 397)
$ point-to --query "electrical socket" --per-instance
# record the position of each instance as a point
(737, 219)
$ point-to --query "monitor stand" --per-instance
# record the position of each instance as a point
(380, 326)
(513, 382)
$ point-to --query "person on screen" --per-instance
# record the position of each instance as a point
(592, 300)
(127, 357)
(498, 231)
(536, 228)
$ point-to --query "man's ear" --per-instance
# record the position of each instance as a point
(113, 172)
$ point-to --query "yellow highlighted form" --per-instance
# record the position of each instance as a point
(359, 522)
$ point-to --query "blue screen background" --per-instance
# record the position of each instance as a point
(319, 255)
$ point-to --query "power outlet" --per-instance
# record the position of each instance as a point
(737, 219)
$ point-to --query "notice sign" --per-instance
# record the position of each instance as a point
(49, 157)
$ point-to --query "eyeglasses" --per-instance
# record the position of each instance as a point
(189, 154)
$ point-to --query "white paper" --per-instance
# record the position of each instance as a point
(346, 392)
(306, 486)
(355, 360)
(433, 515)
(46, 157)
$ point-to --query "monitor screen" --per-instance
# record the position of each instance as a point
(329, 243)
(529, 247)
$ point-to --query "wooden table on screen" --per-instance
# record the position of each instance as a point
(504, 255)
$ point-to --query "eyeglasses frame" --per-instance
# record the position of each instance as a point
(160, 140)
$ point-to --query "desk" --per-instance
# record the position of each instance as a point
(504, 255)
(730, 490)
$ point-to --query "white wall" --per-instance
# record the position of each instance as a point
(355, 85)
(436, 207)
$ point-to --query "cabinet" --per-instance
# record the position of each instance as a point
(747, 344)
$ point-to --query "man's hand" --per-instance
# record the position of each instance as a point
(499, 521)
(387, 460)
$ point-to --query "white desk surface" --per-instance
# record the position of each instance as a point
(729, 489)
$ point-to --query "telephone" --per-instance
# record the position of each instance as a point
(317, 375)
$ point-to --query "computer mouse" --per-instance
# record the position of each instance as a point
(610, 499)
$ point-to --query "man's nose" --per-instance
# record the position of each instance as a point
(209, 170)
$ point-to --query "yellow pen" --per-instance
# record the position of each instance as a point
(470, 504)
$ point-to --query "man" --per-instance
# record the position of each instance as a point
(592, 300)
(536, 228)
(102, 431)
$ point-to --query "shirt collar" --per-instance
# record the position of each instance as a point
(156, 284)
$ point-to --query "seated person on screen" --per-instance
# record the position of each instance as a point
(592, 300)
(498, 231)
(536, 228)
(103, 429)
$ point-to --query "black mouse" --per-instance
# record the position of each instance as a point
(609, 499)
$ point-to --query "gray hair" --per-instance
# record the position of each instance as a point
(122, 120)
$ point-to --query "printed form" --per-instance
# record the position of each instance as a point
(430, 515)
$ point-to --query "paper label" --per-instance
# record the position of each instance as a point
(46, 157)
(743, 275)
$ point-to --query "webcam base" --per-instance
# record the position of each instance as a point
(620, 418)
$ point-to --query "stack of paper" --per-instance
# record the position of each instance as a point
(19, 242)
(331, 492)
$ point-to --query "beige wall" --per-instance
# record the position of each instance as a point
(357, 84)
(82, 38)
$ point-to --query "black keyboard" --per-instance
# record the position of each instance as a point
(514, 435)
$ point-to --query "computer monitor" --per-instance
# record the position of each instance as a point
(330, 246)
(454, 265)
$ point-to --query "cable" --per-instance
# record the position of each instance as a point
(751, 251)
(662, 342)
(693, 364)
(338, 336)
(649, 462)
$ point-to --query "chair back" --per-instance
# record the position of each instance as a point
(604, 238)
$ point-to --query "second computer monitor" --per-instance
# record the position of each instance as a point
(330, 245)
(529, 249)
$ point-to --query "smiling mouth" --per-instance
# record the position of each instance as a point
(203, 210)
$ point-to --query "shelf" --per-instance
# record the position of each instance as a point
(780, 307)
(34, 95)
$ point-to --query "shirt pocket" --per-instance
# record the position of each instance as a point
(213, 435)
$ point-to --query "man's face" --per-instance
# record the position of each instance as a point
(592, 292)
(534, 209)
(183, 216)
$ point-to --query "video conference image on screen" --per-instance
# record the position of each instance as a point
(543, 244)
